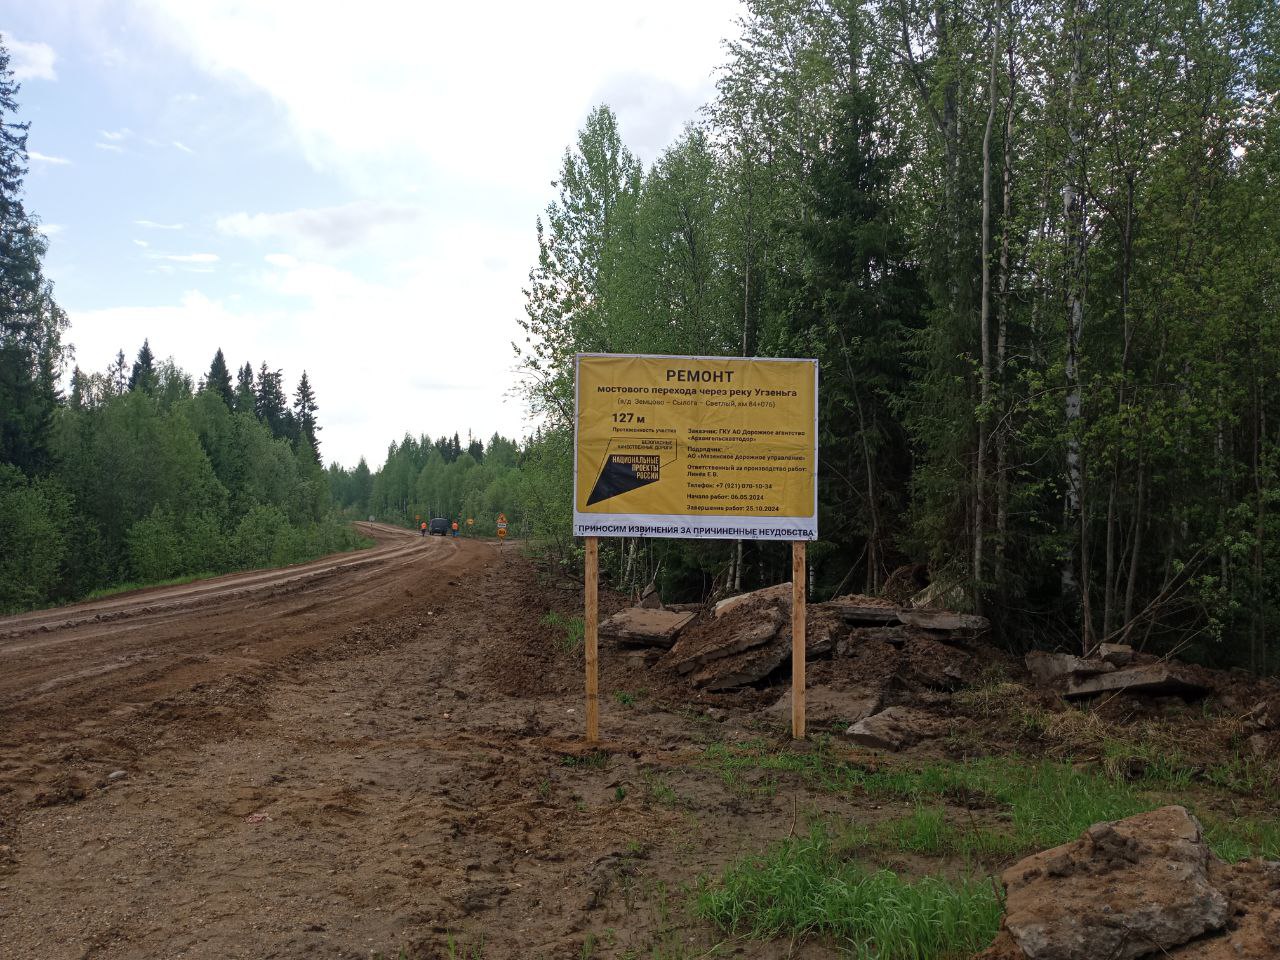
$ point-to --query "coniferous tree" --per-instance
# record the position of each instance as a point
(246, 391)
(117, 376)
(272, 406)
(31, 324)
(219, 380)
(304, 414)
(143, 376)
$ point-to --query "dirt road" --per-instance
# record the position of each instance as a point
(372, 755)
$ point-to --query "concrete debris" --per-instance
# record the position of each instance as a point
(857, 612)
(1156, 679)
(751, 635)
(894, 636)
(959, 625)
(1120, 654)
(742, 669)
(938, 595)
(828, 704)
(1126, 889)
(891, 729)
(1052, 668)
(650, 599)
(637, 627)
(779, 594)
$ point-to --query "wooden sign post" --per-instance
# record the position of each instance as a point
(694, 448)
(590, 637)
(798, 638)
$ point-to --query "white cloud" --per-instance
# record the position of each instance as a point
(142, 243)
(51, 229)
(113, 147)
(124, 133)
(434, 146)
(183, 147)
(35, 156)
(187, 257)
(332, 228)
(439, 87)
(30, 60)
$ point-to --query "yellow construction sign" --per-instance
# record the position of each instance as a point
(696, 447)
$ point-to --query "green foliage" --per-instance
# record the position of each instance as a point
(427, 479)
(37, 532)
(1076, 432)
(804, 887)
(570, 631)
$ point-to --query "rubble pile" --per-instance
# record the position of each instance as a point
(885, 674)
(1145, 886)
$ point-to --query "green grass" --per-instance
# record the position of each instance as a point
(1039, 804)
(595, 760)
(659, 791)
(572, 631)
(111, 591)
(804, 887)
(1240, 838)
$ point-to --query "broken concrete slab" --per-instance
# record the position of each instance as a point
(638, 627)
(1120, 654)
(944, 621)
(1053, 668)
(742, 669)
(828, 704)
(650, 599)
(779, 594)
(1125, 889)
(862, 614)
(892, 729)
(1155, 679)
(751, 635)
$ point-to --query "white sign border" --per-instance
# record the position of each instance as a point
(713, 527)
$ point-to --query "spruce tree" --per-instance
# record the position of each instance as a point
(304, 411)
(30, 322)
(219, 380)
(246, 391)
(143, 376)
(117, 379)
(272, 406)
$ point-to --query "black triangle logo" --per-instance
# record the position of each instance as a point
(619, 476)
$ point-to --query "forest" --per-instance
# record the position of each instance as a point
(137, 474)
(1036, 249)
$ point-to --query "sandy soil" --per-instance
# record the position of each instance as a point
(375, 754)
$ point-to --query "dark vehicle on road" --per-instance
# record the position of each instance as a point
(439, 525)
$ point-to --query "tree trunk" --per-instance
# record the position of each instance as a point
(984, 327)
(1073, 210)
(1002, 433)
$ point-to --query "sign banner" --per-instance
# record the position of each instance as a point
(695, 447)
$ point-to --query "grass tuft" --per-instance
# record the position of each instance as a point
(572, 631)
(803, 887)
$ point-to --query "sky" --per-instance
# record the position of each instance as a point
(345, 189)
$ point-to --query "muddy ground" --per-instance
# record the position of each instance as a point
(378, 756)
(375, 755)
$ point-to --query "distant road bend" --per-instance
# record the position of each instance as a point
(71, 663)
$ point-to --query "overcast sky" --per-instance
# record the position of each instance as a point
(348, 189)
